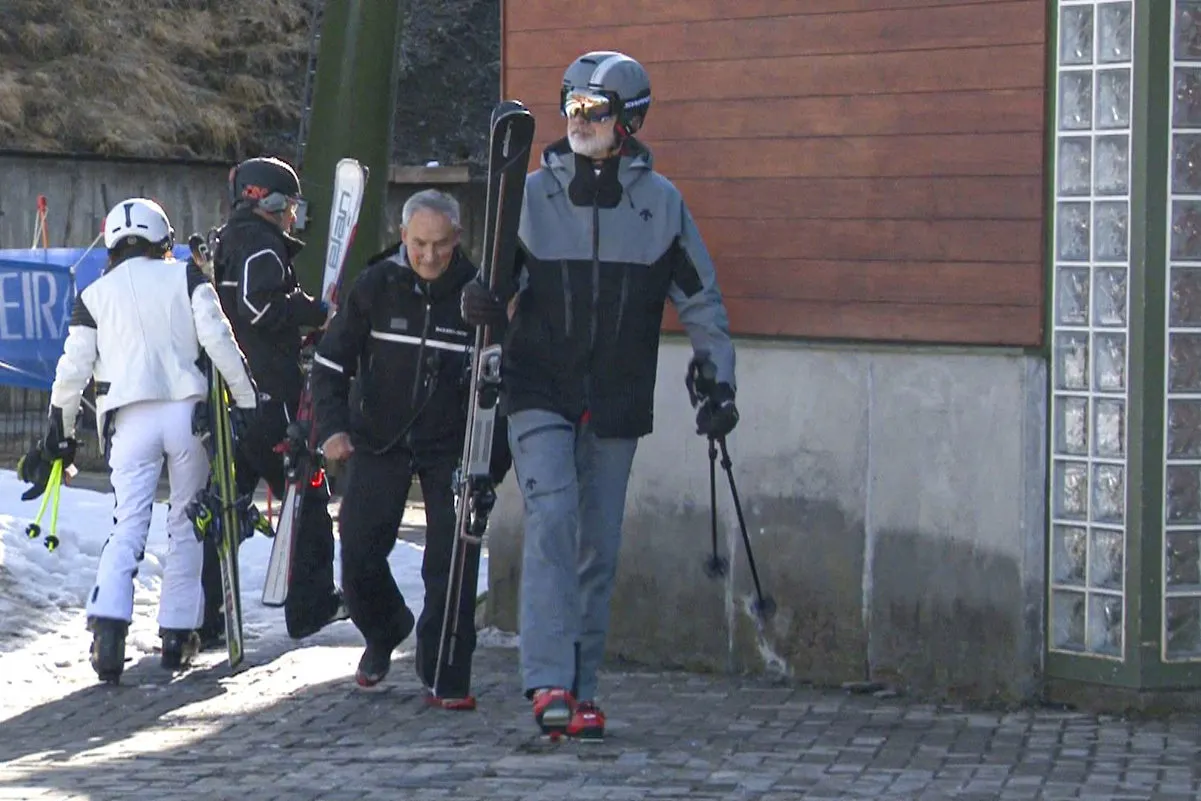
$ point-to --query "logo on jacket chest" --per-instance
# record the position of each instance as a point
(453, 332)
(399, 324)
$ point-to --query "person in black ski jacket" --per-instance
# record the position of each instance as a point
(400, 336)
(263, 299)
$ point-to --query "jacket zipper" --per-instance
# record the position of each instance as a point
(566, 297)
(621, 306)
(595, 276)
(420, 371)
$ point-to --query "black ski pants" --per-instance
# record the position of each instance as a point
(312, 597)
(373, 503)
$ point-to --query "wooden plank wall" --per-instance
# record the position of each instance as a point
(860, 169)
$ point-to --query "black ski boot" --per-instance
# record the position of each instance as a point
(212, 630)
(377, 656)
(108, 647)
(180, 647)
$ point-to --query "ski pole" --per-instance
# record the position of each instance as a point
(49, 498)
(715, 565)
(700, 380)
(765, 606)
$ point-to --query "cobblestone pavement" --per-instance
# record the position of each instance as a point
(292, 725)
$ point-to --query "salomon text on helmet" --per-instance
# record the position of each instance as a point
(138, 218)
(604, 84)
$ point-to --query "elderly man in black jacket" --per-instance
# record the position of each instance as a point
(400, 335)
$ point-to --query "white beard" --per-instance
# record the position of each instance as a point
(593, 147)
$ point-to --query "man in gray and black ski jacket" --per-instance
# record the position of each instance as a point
(601, 254)
(605, 242)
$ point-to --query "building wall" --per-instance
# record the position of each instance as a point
(894, 499)
(859, 170)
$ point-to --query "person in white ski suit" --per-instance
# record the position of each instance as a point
(138, 330)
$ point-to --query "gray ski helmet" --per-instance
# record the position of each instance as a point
(615, 76)
(265, 182)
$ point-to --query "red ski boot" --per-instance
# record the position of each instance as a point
(553, 708)
(587, 723)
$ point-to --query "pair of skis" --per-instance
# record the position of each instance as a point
(511, 137)
(218, 514)
(302, 463)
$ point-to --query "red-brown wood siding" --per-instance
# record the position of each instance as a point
(859, 169)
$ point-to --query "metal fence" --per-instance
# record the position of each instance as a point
(23, 422)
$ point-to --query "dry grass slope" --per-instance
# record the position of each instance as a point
(217, 79)
(222, 79)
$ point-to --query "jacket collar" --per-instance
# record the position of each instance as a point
(585, 185)
(450, 283)
(246, 217)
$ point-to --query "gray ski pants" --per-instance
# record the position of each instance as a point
(574, 488)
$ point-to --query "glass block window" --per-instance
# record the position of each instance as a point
(1090, 328)
(1181, 636)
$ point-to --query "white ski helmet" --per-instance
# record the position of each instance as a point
(138, 218)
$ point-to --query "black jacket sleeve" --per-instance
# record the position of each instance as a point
(337, 359)
(269, 299)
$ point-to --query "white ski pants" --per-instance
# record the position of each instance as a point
(143, 435)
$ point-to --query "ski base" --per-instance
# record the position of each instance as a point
(218, 513)
(279, 567)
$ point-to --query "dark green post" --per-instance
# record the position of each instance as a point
(354, 103)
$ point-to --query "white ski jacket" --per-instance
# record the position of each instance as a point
(139, 329)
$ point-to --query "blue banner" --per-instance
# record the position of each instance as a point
(37, 292)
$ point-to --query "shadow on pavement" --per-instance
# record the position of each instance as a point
(100, 714)
(325, 740)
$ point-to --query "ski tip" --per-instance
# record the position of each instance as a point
(354, 164)
(508, 107)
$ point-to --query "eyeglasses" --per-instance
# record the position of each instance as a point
(587, 106)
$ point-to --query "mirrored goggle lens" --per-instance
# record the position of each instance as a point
(593, 108)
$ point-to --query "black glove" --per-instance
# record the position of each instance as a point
(57, 445)
(242, 420)
(35, 466)
(717, 414)
(479, 306)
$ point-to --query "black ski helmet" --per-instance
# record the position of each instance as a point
(615, 76)
(264, 182)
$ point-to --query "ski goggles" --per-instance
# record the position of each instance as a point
(277, 203)
(588, 106)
